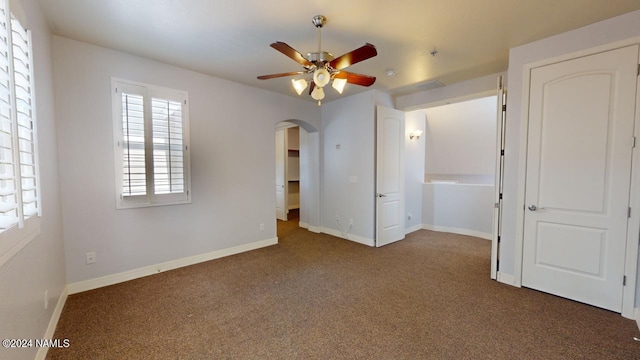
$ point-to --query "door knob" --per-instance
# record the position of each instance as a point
(533, 208)
(382, 195)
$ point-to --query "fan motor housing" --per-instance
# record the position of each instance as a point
(319, 57)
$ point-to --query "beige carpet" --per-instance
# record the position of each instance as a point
(314, 296)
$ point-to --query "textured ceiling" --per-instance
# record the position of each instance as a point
(230, 39)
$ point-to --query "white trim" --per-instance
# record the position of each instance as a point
(314, 229)
(633, 223)
(459, 231)
(637, 316)
(169, 265)
(53, 323)
(498, 183)
(414, 228)
(631, 260)
(507, 279)
(21, 237)
(351, 237)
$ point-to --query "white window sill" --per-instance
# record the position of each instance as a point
(15, 238)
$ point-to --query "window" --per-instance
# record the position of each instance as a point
(151, 135)
(19, 182)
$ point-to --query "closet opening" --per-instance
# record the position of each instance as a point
(296, 176)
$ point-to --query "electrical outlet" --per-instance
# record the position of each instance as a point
(261, 226)
(46, 299)
(350, 222)
(91, 258)
(409, 217)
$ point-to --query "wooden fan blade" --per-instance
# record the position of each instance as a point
(360, 54)
(311, 87)
(357, 79)
(292, 53)
(273, 76)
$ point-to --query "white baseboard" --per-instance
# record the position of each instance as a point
(53, 323)
(351, 237)
(460, 231)
(169, 265)
(412, 229)
(314, 229)
(637, 316)
(507, 279)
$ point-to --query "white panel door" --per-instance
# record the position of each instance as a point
(281, 200)
(581, 116)
(389, 176)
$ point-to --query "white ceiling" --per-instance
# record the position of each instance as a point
(230, 39)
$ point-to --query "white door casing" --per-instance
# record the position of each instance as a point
(390, 139)
(499, 177)
(281, 190)
(581, 117)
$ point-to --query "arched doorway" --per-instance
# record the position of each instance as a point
(297, 174)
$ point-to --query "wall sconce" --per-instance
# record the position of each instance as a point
(415, 134)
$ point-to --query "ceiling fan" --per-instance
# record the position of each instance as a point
(324, 67)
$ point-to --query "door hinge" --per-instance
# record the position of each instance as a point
(638, 69)
(497, 265)
(504, 107)
(499, 239)
(633, 143)
(629, 212)
(624, 280)
(116, 90)
(500, 197)
(502, 152)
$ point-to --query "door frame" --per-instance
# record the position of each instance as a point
(633, 225)
(285, 190)
(498, 181)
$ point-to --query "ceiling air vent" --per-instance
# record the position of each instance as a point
(430, 85)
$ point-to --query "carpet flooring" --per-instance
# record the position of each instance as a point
(314, 296)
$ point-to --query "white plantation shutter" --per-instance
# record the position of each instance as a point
(19, 185)
(133, 158)
(23, 75)
(8, 187)
(168, 146)
(151, 132)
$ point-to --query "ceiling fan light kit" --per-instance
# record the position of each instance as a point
(339, 84)
(299, 85)
(317, 94)
(321, 77)
(323, 67)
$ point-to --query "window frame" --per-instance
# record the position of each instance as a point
(27, 227)
(150, 199)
